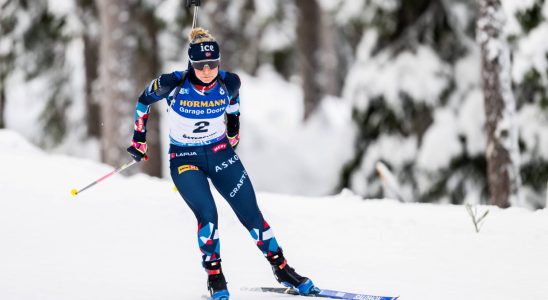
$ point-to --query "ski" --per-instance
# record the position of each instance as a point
(207, 297)
(323, 293)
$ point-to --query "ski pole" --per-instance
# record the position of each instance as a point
(75, 192)
(196, 4)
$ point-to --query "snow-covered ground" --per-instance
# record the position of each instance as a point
(134, 238)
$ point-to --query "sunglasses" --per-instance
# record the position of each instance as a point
(200, 65)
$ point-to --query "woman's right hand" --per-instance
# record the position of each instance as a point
(138, 150)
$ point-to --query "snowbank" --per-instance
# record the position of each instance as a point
(134, 238)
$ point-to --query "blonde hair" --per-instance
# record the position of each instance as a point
(200, 35)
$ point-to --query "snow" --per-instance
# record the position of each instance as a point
(329, 5)
(531, 54)
(272, 128)
(358, 10)
(421, 75)
(265, 9)
(61, 8)
(440, 142)
(167, 11)
(510, 9)
(471, 117)
(348, 10)
(396, 149)
(276, 37)
(533, 124)
(134, 238)
(22, 114)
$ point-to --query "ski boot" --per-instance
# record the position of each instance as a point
(216, 283)
(287, 276)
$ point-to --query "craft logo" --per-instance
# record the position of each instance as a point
(219, 148)
(239, 185)
(185, 168)
(208, 54)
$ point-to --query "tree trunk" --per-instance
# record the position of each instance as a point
(2, 102)
(229, 40)
(231, 34)
(502, 152)
(118, 85)
(93, 109)
(334, 53)
(148, 69)
(308, 41)
(87, 12)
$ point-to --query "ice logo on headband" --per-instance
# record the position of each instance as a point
(207, 48)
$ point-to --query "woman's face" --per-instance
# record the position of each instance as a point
(207, 75)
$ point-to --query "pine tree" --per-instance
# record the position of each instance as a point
(38, 50)
(7, 54)
(383, 36)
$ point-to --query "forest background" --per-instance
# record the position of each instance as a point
(387, 98)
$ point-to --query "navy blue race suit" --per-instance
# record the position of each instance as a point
(200, 117)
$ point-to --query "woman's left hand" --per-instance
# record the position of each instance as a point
(234, 140)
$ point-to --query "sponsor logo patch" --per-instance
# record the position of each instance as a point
(239, 185)
(182, 154)
(226, 164)
(203, 103)
(219, 148)
(185, 168)
(205, 48)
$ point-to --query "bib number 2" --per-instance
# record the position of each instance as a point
(201, 127)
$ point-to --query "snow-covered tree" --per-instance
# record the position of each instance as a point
(407, 95)
(527, 28)
(7, 51)
(416, 88)
(33, 42)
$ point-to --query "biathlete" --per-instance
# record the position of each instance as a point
(202, 146)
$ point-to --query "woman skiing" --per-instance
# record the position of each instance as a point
(202, 146)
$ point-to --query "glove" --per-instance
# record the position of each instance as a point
(234, 140)
(138, 150)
